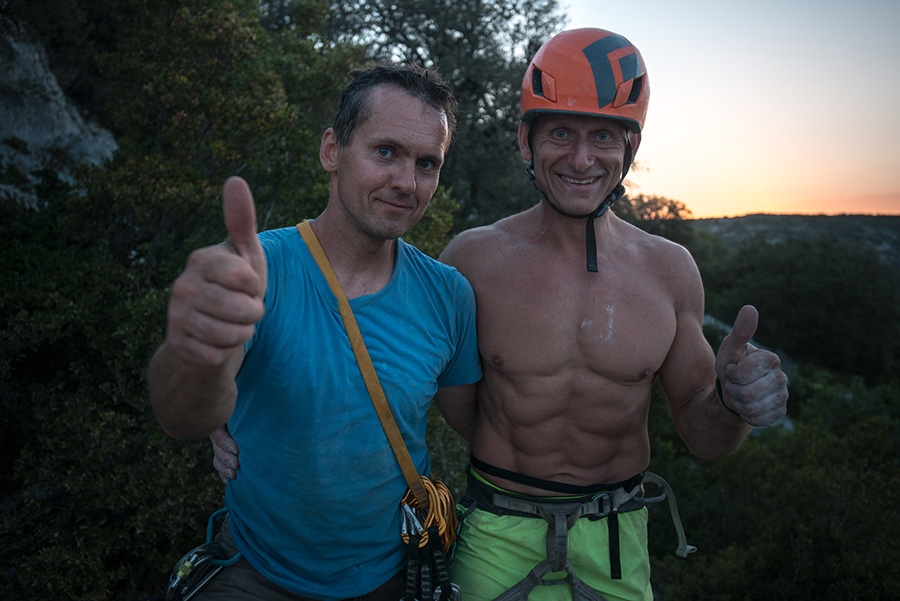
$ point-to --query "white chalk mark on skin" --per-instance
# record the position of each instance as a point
(609, 334)
(611, 314)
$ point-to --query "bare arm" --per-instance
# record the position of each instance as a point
(753, 386)
(215, 303)
(688, 377)
(459, 407)
(191, 400)
(688, 374)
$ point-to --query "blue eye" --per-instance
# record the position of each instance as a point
(385, 152)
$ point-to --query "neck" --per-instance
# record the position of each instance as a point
(363, 264)
(583, 238)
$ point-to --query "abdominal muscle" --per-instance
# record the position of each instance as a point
(574, 428)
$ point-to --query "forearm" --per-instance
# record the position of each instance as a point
(459, 407)
(707, 427)
(191, 401)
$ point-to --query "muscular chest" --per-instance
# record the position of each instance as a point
(548, 321)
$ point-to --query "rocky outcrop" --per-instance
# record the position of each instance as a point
(39, 126)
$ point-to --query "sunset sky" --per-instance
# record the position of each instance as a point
(766, 106)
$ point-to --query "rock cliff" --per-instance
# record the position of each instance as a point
(39, 126)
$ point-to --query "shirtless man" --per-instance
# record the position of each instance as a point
(570, 353)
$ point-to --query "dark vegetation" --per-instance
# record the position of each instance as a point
(97, 503)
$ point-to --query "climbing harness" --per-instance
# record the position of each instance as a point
(200, 565)
(561, 515)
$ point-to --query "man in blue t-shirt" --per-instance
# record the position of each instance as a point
(254, 339)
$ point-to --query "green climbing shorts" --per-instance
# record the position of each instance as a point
(494, 552)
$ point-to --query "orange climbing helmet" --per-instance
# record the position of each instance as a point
(590, 72)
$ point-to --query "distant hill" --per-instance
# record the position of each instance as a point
(881, 232)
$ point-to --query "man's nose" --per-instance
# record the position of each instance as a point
(404, 177)
(582, 155)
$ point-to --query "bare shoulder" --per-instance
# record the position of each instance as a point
(668, 264)
(470, 247)
(656, 252)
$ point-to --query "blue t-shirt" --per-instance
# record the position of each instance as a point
(315, 505)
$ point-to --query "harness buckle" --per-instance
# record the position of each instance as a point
(454, 595)
(605, 506)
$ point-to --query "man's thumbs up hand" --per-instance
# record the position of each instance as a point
(753, 384)
(218, 297)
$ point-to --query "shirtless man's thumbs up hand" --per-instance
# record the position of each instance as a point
(753, 384)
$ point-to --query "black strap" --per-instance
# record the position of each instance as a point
(439, 561)
(615, 559)
(550, 485)
(412, 568)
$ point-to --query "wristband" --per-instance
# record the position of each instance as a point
(722, 399)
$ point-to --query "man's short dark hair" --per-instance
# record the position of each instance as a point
(424, 84)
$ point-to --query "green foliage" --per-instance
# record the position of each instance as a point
(202, 93)
(72, 32)
(432, 233)
(820, 300)
(803, 513)
(96, 494)
(97, 503)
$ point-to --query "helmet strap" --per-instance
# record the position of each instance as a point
(590, 237)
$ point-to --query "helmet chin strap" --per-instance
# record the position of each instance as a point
(589, 234)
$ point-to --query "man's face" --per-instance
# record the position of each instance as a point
(578, 159)
(385, 177)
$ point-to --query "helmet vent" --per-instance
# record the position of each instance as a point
(636, 88)
(537, 82)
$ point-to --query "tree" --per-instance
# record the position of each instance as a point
(824, 301)
(73, 32)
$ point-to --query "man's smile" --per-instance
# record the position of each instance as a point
(572, 180)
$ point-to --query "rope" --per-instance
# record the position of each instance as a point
(441, 512)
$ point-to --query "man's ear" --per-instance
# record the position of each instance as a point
(524, 150)
(635, 143)
(328, 151)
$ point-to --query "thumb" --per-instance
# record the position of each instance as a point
(734, 346)
(240, 223)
